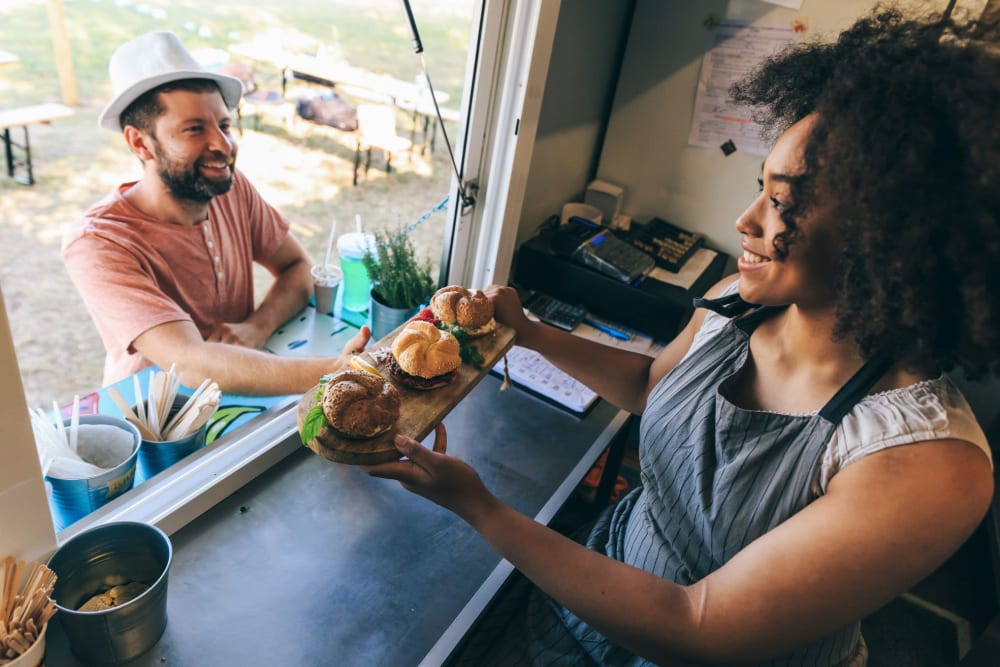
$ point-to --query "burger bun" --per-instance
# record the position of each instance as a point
(423, 356)
(470, 309)
(358, 404)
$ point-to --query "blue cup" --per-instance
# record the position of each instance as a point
(156, 456)
(76, 498)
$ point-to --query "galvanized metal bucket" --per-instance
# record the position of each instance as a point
(156, 456)
(98, 559)
(385, 319)
(76, 498)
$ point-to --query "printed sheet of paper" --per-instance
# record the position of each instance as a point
(690, 271)
(735, 49)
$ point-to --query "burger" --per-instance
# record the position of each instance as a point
(423, 356)
(359, 404)
(470, 310)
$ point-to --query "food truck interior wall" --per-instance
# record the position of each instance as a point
(618, 104)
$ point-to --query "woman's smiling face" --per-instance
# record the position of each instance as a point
(801, 272)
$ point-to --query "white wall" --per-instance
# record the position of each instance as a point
(579, 90)
(646, 146)
(646, 150)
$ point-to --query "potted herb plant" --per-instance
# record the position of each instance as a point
(400, 282)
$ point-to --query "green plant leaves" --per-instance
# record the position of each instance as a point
(312, 424)
(466, 350)
(315, 419)
(398, 277)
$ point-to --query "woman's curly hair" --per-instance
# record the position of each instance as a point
(907, 144)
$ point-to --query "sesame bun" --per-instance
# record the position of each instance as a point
(358, 404)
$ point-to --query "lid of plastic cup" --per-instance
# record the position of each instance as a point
(353, 244)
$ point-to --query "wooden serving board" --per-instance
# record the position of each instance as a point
(419, 411)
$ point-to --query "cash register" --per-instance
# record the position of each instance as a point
(610, 278)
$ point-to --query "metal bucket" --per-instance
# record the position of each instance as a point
(97, 559)
(156, 456)
(385, 319)
(76, 498)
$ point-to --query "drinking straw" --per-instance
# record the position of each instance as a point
(329, 243)
(74, 423)
(357, 222)
(57, 416)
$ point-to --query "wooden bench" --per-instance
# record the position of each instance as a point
(23, 117)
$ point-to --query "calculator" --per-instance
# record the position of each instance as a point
(555, 312)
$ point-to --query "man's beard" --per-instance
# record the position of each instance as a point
(186, 182)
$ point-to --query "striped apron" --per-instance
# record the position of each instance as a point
(715, 477)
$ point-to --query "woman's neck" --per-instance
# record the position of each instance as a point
(795, 366)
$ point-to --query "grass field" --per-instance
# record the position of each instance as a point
(303, 169)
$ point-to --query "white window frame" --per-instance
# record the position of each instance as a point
(514, 40)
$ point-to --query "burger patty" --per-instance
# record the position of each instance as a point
(415, 381)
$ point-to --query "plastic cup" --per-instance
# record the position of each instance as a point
(100, 558)
(356, 281)
(326, 280)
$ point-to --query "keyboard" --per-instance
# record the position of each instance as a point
(534, 373)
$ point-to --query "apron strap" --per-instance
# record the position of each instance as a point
(733, 307)
(730, 305)
(856, 388)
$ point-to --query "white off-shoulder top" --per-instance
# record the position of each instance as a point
(929, 410)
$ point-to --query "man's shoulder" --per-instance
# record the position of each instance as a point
(109, 216)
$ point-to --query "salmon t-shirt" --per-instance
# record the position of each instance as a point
(135, 272)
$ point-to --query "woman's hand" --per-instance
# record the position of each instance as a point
(507, 309)
(442, 479)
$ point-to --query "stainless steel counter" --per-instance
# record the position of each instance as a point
(315, 563)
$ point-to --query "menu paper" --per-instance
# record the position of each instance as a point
(735, 49)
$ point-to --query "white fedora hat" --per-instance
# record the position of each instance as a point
(150, 60)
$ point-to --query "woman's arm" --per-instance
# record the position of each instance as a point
(621, 377)
(887, 521)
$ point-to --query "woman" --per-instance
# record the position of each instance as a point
(803, 459)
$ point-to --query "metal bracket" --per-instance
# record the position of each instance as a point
(468, 193)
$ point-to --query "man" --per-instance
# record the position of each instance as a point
(165, 264)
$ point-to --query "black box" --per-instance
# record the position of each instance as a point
(653, 307)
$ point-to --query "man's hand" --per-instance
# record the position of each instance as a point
(356, 345)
